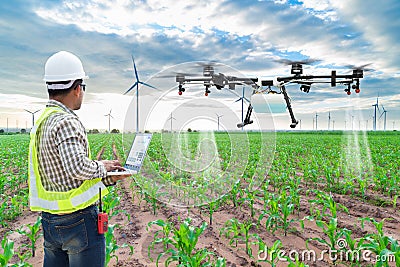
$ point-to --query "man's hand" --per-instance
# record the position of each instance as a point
(112, 165)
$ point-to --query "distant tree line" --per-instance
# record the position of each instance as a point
(22, 131)
(96, 131)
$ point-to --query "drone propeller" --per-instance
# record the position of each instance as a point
(361, 67)
(211, 63)
(175, 74)
(291, 62)
(208, 66)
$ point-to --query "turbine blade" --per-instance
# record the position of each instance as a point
(149, 85)
(239, 99)
(134, 67)
(133, 86)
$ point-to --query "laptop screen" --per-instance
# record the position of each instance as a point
(138, 151)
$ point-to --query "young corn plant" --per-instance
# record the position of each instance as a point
(385, 248)
(151, 194)
(161, 236)
(333, 233)
(110, 205)
(236, 194)
(279, 208)
(112, 246)
(250, 197)
(395, 248)
(181, 245)
(271, 212)
(32, 232)
(8, 251)
(212, 206)
(353, 246)
(286, 207)
(237, 231)
(324, 202)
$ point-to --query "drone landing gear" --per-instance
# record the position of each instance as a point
(355, 87)
(289, 106)
(247, 119)
(207, 91)
(180, 89)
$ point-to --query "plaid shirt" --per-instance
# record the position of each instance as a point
(63, 152)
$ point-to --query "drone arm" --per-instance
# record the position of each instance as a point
(289, 106)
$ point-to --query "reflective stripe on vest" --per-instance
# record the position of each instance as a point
(57, 202)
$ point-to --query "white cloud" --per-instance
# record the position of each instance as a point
(247, 35)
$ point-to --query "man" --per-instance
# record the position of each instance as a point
(64, 182)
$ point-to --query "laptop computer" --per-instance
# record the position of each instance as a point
(136, 155)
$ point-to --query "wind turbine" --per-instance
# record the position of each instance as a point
(316, 121)
(329, 120)
(109, 119)
(33, 115)
(376, 107)
(352, 122)
(384, 117)
(218, 116)
(242, 98)
(136, 84)
(171, 118)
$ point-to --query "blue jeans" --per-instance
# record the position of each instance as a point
(72, 239)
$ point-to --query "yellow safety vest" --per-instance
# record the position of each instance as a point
(58, 202)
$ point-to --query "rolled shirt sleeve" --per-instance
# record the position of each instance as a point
(72, 145)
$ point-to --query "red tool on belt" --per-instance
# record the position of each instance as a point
(102, 218)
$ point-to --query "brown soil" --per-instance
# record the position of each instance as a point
(137, 233)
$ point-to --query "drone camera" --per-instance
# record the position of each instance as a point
(305, 88)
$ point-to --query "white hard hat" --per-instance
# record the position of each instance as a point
(63, 66)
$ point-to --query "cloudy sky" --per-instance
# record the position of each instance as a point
(247, 36)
